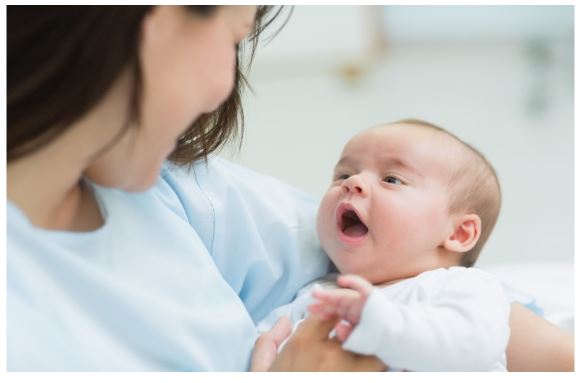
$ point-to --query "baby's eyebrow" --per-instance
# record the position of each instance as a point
(343, 161)
(389, 162)
(399, 163)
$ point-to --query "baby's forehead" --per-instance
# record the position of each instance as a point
(404, 134)
(425, 145)
(406, 128)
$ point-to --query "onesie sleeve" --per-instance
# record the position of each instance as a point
(464, 326)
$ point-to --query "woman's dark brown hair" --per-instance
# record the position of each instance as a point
(63, 59)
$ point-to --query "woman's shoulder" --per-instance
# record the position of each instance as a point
(218, 172)
(223, 184)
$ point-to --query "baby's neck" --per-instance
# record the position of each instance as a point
(392, 282)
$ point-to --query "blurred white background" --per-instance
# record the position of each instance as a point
(500, 77)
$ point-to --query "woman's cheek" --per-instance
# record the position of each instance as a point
(223, 90)
(220, 78)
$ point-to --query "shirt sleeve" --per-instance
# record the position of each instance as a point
(464, 327)
(260, 231)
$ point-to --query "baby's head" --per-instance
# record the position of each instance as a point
(407, 197)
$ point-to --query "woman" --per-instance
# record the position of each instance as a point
(118, 260)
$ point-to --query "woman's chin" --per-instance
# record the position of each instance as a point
(143, 184)
(139, 184)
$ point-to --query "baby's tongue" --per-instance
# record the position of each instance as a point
(357, 230)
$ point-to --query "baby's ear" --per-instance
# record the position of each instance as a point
(465, 234)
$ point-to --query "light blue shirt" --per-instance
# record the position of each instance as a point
(175, 279)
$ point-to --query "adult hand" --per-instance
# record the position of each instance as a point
(537, 345)
(267, 344)
(310, 349)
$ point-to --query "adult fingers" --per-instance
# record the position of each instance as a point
(264, 354)
(267, 345)
(342, 360)
(369, 363)
(316, 327)
(281, 330)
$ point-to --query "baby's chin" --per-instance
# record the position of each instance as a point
(355, 268)
(347, 267)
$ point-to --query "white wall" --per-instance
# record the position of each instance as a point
(482, 88)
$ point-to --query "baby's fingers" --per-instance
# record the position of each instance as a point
(356, 283)
(343, 330)
(325, 311)
(324, 295)
(337, 296)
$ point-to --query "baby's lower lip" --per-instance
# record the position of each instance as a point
(349, 240)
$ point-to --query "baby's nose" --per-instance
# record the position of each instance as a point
(354, 185)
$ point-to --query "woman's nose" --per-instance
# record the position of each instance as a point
(355, 185)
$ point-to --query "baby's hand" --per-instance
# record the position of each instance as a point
(346, 303)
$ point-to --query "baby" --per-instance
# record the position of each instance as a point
(406, 216)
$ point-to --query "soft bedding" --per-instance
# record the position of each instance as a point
(545, 287)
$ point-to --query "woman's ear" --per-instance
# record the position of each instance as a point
(465, 234)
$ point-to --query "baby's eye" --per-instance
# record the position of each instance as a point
(342, 177)
(392, 180)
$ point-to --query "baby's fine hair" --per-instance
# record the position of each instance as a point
(474, 187)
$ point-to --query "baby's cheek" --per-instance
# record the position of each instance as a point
(325, 218)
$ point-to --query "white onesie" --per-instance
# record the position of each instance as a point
(454, 319)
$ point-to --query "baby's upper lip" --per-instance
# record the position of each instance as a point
(345, 206)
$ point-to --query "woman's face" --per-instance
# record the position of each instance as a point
(188, 68)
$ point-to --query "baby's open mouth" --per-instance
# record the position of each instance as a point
(352, 226)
